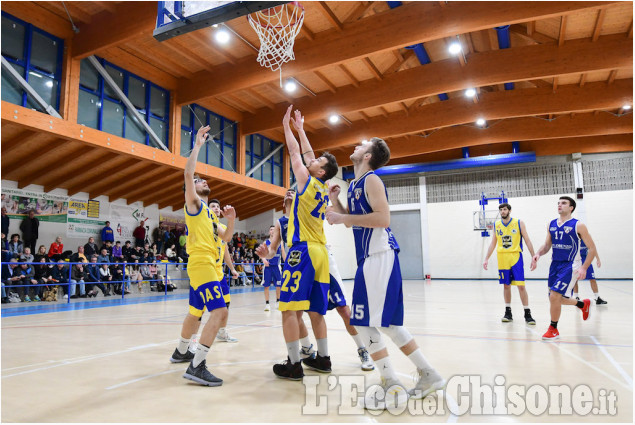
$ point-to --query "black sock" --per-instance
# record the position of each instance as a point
(554, 324)
(508, 309)
(580, 304)
(278, 300)
(266, 302)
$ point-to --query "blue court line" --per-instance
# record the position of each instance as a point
(41, 307)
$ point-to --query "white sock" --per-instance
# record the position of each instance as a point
(323, 347)
(199, 356)
(596, 295)
(575, 295)
(293, 350)
(509, 305)
(526, 307)
(306, 342)
(358, 340)
(183, 344)
(386, 370)
(419, 360)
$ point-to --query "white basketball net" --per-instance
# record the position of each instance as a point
(277, 28)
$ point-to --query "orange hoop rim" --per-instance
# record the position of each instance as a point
(291, 24)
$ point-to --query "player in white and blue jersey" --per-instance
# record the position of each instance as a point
(272, 274)
(377, 294)
(590, 275)
(565, 235)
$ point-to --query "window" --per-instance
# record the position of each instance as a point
(37, 56)
(221, 151)
(258, 147)
(101, 108)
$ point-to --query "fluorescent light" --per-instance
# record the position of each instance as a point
(290, 86)
(455, 48)
(626, 107)
(35, 74)
(222, 36)
(470, 92)
(334, 119)
(480, 122)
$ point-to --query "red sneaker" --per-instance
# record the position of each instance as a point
(586, 309)
(551, 335)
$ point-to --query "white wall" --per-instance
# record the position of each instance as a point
(457, 251)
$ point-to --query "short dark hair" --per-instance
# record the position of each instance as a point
(117, 242)
(107, 222)
(330, 168)
(571, 201)
(380, 153)
(127, 242)
(271, 226)
(215, 201)
(505, 205)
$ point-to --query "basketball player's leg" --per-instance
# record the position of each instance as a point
(223, 334)
(561, 283)
(306, 347)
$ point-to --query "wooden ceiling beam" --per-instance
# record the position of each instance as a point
(9, 169)
(598, 24)
(108, 29)
(156, 184)
(492, 106)
(409, 24)
(83, 169)
(137, 179)
(17, 141)
(326, 81)
(40, 17)
(349, 75)
(168, 190)
(255, 212)
(359, 11)
(373, 69)
(563, 30)
(483, 69)
(35, 176)
(94, 189)
(328, 13)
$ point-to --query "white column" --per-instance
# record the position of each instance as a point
(423, 213)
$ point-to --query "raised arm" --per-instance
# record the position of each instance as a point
(334, 193)
(192, 201)
(265, 251)
(299, 169)
(305, 146)
(230, 214)
(380, 217)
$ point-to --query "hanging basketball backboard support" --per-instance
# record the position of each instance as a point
(180, 17)
(484, 219)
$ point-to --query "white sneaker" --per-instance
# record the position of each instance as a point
(225, 338)
(367, 363)
(305, 352)
(267, 307)
(388, 395)
(429, 381)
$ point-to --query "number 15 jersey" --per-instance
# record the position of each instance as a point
(306, 221)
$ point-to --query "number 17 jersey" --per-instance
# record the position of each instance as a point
(306, 221)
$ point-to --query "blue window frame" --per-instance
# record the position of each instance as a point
(37, 56)
(221, 152)
(257, 148)
(100, 108)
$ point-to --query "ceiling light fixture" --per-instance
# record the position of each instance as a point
(470, 93)
(626, 107)
(480, 122)
(334, 119)
(455, 48)
(290, 86)
(222, 36)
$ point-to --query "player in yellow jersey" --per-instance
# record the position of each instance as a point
(305, 279)
(508, 241)
(202, 234)
(223, 335)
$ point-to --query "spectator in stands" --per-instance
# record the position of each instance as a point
(167, 238)
(184, 257)
(79, 256)
(240, 240)
(5, 221)
(171, 254)
(154, 274)
(107, 234)
(251, 242)
(26, 256)
(139, 233)
(10, 277)
(6, 255)
(90, 248)
(127, 251)
(116, 270)
(154, 251)
(29, 227)
(104, 257)
(108, 246)
(106, 278)
(43, 276)
(117, 252)
(137, 253)
(15, 246)
(27, 274)
(60, 274)
(136, 276)
(41, 253)
(94, 278)
(77, 277)
(157, 238)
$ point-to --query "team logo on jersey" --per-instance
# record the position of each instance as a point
(358, 193)
(567, 229)
(507, 241)
(553, 229)
(514, 231)
(294, 258)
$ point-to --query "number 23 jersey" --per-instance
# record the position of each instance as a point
(306, 221)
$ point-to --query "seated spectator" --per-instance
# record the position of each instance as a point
(126, 251)
(106, 278)
(41, 253)
(108, 246)
(154, 273)
(184, 255)
(15, 246)
(10, 277)
(135, 275)
(79, 256)
(27, 274)
(117, 252)
(90, 248)
(60, 275)
(5, 249)
(104, 257)
(154, 250)
(26, 255)
(251, 271)
(77, 277)
(144, 269)
(171, 254)
(43, 276)
(56, 249)
(137, 254)
(116, 270)
(93, 277)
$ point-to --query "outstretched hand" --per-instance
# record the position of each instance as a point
(201, 135)
(262, 251)
(334, 191)
(287, 117)
(298, 121)
(229, 212)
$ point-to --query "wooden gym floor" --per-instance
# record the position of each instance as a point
(111, 363)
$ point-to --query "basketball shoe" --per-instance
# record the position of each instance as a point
(429, 381)
(387, 395)
(318, 363)
(367, 363)
(552, 334)
(177, 357)
(586, 309)
(307, 352)
(201, 375)
(288, 370)
(508, 315)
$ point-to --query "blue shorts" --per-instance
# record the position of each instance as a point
(511, 270)
(272, 276)
(208, 295)
(562, 278)
(590, 273)
(305, 280)
(224, 286)
(336, 295)
(378, 292)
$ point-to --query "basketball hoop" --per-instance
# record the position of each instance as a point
(277, 28)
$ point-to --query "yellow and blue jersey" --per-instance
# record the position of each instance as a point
(220, 247)
(508, 236)
(306, 221)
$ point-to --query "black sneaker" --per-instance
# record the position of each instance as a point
(288, 370)
(201, 375)
(508, 316)
(528, 319)
(319, 363)
(181, 358)
(600, 301)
